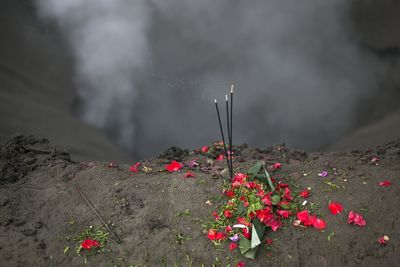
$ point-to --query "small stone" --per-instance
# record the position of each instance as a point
(19, 223)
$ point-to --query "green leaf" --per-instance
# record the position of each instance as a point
(275, 199)
(241, 209)
(244, 245)
(251, 254)
(258, 231)
(255, 169)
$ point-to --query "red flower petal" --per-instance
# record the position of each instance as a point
(355, 218)
(228, 213)
(319, 224)
(385, 183)
(335, 208)
(220, 236)
(284, 213)
(274, 224)
(269, 241)
(215, 215)
(243, 221)
(232, 246)
(240, 264)
(90, 243)
(288, 195)
(204, 149)
(246, 233)
(220, 157)
(228, 229)
(277, 166)
(188, 175)
(305, 193)
(174, 166)
(302, 215)
(230, 193)
(211, 234)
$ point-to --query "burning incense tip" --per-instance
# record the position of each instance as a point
(215, 100)
(226, 97)
(232, 89)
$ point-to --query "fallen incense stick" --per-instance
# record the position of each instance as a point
(222, 134)
(99, 216)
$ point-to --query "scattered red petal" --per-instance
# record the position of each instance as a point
(240, 264)
(385, 183)
(174, 166)
(319, 224)
(267, 200)
(282, 185)
(232, 246)
(277, 166)
(188, 175)
(220, 157)
(205, 149)
(305, 193)
(335, 208)
(383, 240)
(265, 215)
(355, 218)
(89, 244)
(269, 241)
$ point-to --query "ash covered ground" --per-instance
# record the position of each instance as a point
(40, 207)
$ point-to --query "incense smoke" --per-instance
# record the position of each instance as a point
(148, 71)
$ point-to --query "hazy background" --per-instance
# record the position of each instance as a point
(316, 75)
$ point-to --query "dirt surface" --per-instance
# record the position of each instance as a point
(159, 215)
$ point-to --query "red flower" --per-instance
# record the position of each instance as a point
(220, 236)
(269, 241)
(174, 166)
(383, 240)
(134, 167)
(385, 183)
(215, 214)
(267, 199)
(305, 193)
(240, 264)
(274, 224)
(319, 224)
(282, 185)
(244, 200)
(335, 207)
(302, 215)
(211, 234)
(220, 157)
(277, 166)
(260, 193)
(228, 213)
(228, 229)
(243, 221)
(355, 218)
(264, 215)
(232, 246)
(250, 185)
(204, 149)
(239, 179)
(287, 195)
(230, 193)
(90, 243)
(246, 233)
(188, 175)
(284, 213)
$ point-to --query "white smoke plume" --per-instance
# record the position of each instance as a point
(148, 71)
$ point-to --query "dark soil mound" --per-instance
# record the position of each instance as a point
(159, 215)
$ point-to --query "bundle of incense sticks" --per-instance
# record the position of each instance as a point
(229, 118)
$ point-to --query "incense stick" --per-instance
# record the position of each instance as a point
(231, 131)
(98, 215)
(229, 138)
(222, 132)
